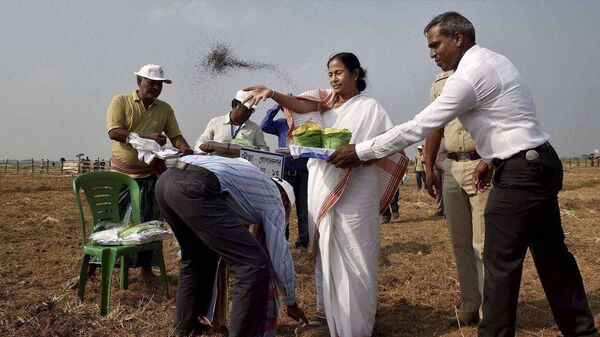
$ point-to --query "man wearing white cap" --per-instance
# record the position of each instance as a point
(209, 201)
(234, 125)
(143, 113)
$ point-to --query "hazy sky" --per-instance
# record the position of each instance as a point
(63, 61)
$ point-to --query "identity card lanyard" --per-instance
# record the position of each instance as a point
(234, 133)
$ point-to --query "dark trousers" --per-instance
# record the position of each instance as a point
(420, 178)
(299, 181)
(206, 227)
(522, 211)
(394, 207)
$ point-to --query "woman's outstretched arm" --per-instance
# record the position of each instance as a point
(262, 93)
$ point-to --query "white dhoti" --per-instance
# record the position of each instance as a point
(349, 246)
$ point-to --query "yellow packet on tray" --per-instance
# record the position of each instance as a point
(308, 134)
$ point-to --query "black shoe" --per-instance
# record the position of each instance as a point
(386, 219)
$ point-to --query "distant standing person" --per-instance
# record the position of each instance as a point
(419, 167)
(85, 165)
(463, 206)
(295, 173)
(491, 100)
(143, 113)
(439, 173)
(234, 125)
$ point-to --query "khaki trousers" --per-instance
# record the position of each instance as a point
(464, 211)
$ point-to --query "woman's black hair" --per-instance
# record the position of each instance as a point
(351, 62)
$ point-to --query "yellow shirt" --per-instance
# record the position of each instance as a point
(128, 112)
(456, 138)
(419, 163)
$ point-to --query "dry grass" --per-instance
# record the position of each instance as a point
(41, 253)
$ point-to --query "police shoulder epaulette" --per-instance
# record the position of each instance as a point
(442, 75)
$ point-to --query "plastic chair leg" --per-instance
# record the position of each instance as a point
(108, 262)
(124, 279)
(83, 277)
(163, 271)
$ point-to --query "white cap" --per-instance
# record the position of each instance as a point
(289, 190)
(242, 95)
(420, 147)
(153, 72)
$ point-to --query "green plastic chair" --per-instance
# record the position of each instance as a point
(102, 190)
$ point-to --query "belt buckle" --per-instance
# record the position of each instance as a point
(291, 173)
(464, 156)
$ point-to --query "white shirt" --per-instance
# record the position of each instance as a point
(491, 101)
(220, 129)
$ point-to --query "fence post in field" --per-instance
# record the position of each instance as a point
(5, 165)
(47, 166)
(17, 166)
(62, 164)
(32, 165)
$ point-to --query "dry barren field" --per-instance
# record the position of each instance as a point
(40, 251)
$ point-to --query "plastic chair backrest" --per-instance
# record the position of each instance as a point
(102, 191)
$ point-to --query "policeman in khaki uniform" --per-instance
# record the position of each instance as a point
(463, 206)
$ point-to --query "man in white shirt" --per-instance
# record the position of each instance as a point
(235, 125)
(489, 97)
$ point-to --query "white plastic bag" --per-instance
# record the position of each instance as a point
(133, 234)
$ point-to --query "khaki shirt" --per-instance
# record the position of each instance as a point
(128, 112)
(419, 162)
(456, 138)
(219, 129)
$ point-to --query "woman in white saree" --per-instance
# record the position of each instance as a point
(344, 205)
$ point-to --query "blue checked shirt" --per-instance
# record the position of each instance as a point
(258, 201)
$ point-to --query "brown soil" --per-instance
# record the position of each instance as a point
(41, 253)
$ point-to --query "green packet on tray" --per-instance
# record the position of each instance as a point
(334, 138)
(308, 134)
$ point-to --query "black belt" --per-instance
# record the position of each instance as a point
(292, 172)
(521, 154)
(463, 156)
(211, 179)
(189, 167)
